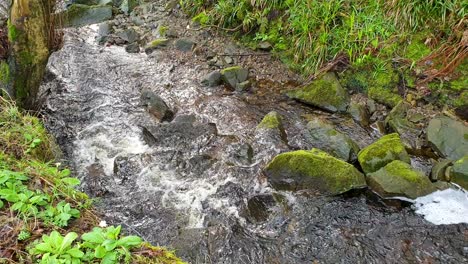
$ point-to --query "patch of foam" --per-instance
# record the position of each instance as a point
(445, 207)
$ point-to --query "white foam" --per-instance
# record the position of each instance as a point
(445, 207)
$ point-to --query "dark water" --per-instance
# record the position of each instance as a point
(195, 183)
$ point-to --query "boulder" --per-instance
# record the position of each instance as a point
(448, 137)
(233, 76)
(385, 150)
(156, 106)
(313, 170)
(322, 135)
(81, 15)
(184, 45)
(359, 113)
(129, 35)
(212, 79)
(459, 172)
(399, 179)
(325, 93)
(271, 130)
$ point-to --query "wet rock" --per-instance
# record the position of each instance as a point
(271, 126)
(127, 6)
(265, 45)
(259, 206)
(399, 179)
(103, 32)
(325, 93)
(322, 135)
(96, 182)
(439, 171)
(156, 44)
(449, 138)
(313, 170)
(371, 106)
(243, 86)
(184, 44)
(81, 15)
(133, 48)
(129, 35)
(459, 172)
(212, 79)
(397, 121)
(240, 154)
(359, 113)
(156, 106)
(126, 168)
(385, 150)
(232, 76)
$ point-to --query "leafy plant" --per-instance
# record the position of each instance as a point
(58, 249)
(60, 215)
(105, 244)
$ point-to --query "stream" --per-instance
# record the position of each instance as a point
(195, 184)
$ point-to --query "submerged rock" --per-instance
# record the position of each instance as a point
(399, 179)
(385, 150)
(459, 172)
(326, 93)
(233, 76)
(81, 15)
(448, 137)
(212, 79)
(313, 170)
(323, 135)
(156, 106)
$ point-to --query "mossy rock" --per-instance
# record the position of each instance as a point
(235, 75)
(385, 150)
(384, 96)
(324, 136)
(399, 179)
(271, 120)
(313, 170)
(156, 44)
(272, 127)
(448, 137)
(397, 121)
(325, 93)
(459, 172)
(78, 15)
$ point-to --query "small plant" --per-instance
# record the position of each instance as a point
(60, 215)
(106, 245)
(58, 249)
(24, 235)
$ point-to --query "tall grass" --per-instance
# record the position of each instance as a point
(314, 32)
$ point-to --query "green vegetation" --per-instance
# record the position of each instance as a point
(373, 37)
(270, 121)
(44, 219)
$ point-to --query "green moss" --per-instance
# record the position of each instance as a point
(230, 69)
(163, 30)
(158, 43)
(315, 170)
(404, 170)
(416, 49)
(385, 150)
(4, 72)
(461, 83)
(12, 31)
(271, 121)
(384, 96)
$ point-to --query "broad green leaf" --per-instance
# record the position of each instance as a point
(68, 240)
(71, 181)
(93, 237)
(129, 241)
(43, 247)
(100, 252)
(110, 258)
(75, 252)
(110, 244)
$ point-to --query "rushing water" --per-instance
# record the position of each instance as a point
(198, 187)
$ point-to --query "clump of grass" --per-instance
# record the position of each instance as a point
(43, 218)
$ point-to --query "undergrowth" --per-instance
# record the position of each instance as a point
(43, 218)
(310, 34)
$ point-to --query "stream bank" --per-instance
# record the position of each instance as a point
(188, 173)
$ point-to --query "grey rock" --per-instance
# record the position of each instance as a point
(156, 106)
(129, 35)
(184, 45)
(448, 137)
(212, 79)
(81, 15)
(359, 113)
(234, 75)
(133, 48)
(459, 172)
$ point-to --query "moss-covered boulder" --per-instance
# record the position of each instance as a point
(272, 127)
(271, 120)
(399, 179)
(78, 15)
(325, 93)
(323, 135)
(233, 76)
(385, 150)
(448, 137)
(156, 44)
(459, 172)
(313, 170)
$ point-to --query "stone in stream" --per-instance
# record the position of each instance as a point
(359, 113)
(184, 44)
(272, 126)
(439, 171)
(81, 15)
(448, 137)
(103, 32)
(325, 93)
(459, 172)
(385, 150)
(133, 48)
(322, 135)
(259, 206)
(399, 179)
(156, 106)
(129, 35)
(397, 121)
(233, 76)
(212, 79)
(313, 170)
(156, 44)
